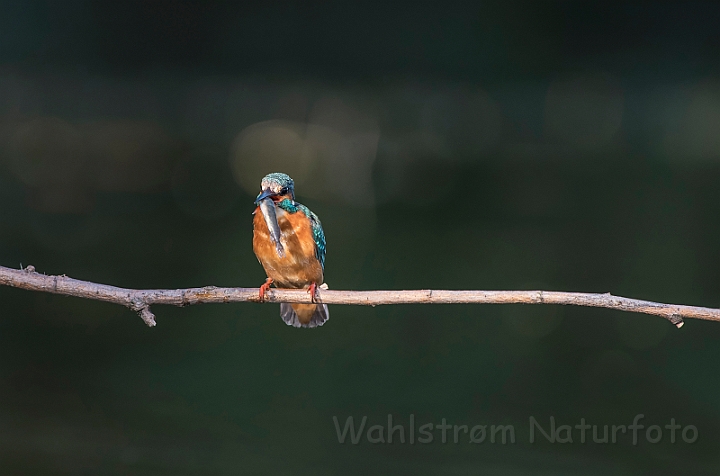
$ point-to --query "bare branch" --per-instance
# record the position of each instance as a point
(140, 300)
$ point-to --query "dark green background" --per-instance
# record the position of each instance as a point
(558, 146)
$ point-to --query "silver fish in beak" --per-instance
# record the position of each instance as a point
(267, 207)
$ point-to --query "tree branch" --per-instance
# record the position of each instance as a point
(140, 300)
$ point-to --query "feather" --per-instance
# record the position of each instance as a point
(318, 234)
(303, 315)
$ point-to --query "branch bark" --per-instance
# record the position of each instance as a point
(140, 300)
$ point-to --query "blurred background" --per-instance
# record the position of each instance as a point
(461, 145)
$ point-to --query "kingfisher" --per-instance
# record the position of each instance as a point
(289, 243)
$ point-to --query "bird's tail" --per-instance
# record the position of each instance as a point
(304, 315)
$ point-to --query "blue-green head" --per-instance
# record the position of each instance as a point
(278, 186)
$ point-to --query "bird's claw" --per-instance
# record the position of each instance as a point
(313, 290)
(265, 288)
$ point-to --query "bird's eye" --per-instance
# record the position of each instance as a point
(283, 191)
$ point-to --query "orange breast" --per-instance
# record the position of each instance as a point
(299, 267)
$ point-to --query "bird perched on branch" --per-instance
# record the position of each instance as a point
(289, 242)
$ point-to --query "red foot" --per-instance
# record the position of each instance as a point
(265, 288)
(313, 292)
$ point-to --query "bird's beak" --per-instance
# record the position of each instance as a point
(263, 195)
